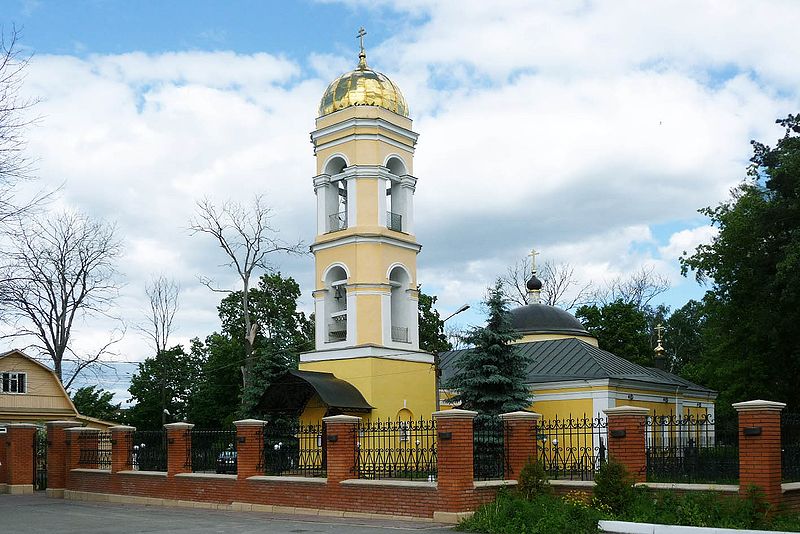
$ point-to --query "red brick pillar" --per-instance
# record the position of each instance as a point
(121, 447)
(626, 439)
(760, 448)
(4, 444)
(341, 433)
(520, 437)
(19, 457)
(179, 452)
(454, 440)
(248, 447)
(73, 449)
(57, 458)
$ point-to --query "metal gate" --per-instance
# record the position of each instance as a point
(40, 460)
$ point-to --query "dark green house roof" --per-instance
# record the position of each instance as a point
(560, 360)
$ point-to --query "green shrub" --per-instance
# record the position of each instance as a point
(613, 486)
(533, 480)
(512, 514)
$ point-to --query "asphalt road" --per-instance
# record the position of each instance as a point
(36, 513)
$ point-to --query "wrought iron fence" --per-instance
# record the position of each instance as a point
(337, 221)
(790, 447)
(148, 450)
(211, 451)
(572, 448)
(489, 455)
(400, 334)
(94, 450)
(691, 448)
(40, 459)
(394, 221)
(396, 449)
(291, 448)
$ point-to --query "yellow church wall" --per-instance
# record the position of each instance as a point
(368, 319)
(389, 386)
(367, 199)
(367, 262)
(576, 408)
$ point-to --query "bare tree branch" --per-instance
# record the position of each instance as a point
(162, 293)
(638, 288)
(248, 241)
(60, 268)
(560, 287)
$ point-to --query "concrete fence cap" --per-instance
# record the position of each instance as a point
(627, 410)
(349, 419)
(759, 406)
(249, 422)
(179, 426)
(455, 413)
(62, 423)
(520, 416)
(21, 425)
(122, 428)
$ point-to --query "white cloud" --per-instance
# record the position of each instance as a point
(573, 127)
(686, 241)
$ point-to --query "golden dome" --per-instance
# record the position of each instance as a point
(362, 87)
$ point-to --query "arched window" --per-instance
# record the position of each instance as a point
(336, 196)
(396, 201)
(400, 304)
(336, 305)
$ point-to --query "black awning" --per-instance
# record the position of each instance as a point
(293, 390)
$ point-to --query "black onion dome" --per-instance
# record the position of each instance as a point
(544, 319)
(534, 284)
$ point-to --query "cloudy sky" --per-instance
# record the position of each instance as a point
(592, 131)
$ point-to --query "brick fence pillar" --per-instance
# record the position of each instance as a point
(19, 456)
(760, 448)
(3, 462)
(249, 436)
(179, 448)
(57, 458)
(121, 447)
(341, 431)
(520, 437)
(454, 444)
(626, 441)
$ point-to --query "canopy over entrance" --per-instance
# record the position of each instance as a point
(291, 393)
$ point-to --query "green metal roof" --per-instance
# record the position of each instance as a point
(558, 360)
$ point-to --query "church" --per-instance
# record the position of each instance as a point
(367, 360)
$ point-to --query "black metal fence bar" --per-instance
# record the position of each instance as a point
(95, 450)
(211, 451)
(489, 455)
(790, 447)
(148, 450)
(690, 449)
(573, 447)
(290, 448)
(396, 449)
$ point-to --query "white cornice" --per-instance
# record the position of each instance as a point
(377, 238)
(356, 122)
(362, 137)
(366, 351)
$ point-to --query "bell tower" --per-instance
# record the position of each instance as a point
(365, 251)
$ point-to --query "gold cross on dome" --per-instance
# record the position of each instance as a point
(533, 255)
(361, 33)
(659, 330)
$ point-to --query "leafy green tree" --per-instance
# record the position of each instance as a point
(490, 378)
(753, 268)
(621, 328)
(94, 402)
(161, 388)
(431, 327)
(282, 333)
(684, 338)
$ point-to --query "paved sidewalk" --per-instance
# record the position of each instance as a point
(36, 513)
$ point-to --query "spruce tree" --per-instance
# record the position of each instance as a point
(490, 378)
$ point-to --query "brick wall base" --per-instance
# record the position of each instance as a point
(278, 494)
